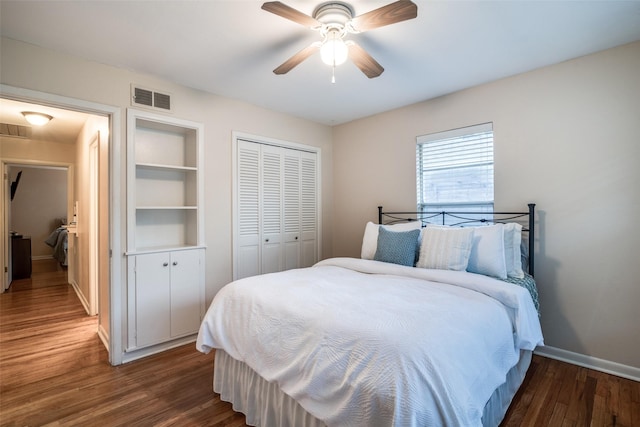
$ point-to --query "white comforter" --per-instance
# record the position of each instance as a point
(395, 346)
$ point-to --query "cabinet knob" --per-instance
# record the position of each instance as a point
(296, 237)
(164, 264)
(175, 262)
(266, 240)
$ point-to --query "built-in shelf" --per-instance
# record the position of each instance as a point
(165, 234)
(157, 166)
(165, 182)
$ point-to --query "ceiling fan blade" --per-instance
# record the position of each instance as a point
(296, 59)
(364, 61)
(399, 11)
(291, 14)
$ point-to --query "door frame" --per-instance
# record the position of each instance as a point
(114, 341)
(94, 224)
(5, 209)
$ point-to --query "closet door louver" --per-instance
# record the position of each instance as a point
(291, 208)
(309, 214)
(248, 214)
(271, 209)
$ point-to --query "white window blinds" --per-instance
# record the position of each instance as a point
(455, 170)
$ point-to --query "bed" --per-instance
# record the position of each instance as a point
(401, 336)
(58, 240)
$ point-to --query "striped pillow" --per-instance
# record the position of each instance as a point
(445, 248)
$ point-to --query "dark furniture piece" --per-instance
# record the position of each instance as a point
(21, 257)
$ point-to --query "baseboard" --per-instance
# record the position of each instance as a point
(81, 297)
(40, 257)
(135, 354)
(104, 337)
(613, 368)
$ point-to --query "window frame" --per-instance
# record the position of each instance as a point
(484, 133)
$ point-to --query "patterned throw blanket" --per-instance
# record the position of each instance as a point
(529, 284)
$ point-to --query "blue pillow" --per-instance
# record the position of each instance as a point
(397, 247)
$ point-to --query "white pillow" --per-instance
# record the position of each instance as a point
(488, 252)
(370, 239)
(445, 248)
(512, 241)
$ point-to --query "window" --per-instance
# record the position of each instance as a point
(455, 170)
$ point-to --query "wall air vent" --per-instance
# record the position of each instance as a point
(161, 100)
(150, 98)
(15, 131)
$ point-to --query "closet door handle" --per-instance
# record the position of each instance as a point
(164, 264)
(175, 262)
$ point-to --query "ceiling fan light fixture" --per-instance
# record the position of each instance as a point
(334, 51)
(334, 19)
(37, 119)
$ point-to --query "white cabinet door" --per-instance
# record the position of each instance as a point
(169, 295)
(153, 298)
(186, 286)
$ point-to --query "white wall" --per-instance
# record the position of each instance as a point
(566, 138)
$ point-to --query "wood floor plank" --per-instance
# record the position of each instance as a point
(54, 371)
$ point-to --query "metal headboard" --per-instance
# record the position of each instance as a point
(462, 219)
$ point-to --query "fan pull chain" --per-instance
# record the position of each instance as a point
(333, 73)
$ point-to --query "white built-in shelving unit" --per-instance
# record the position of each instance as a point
(165, 230)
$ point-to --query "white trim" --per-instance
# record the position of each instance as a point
(104, 337)
(81, 297)
(453, 133)
(116, 279)
(138, 353)
(6, 162)
(273, 141)
(606, 366)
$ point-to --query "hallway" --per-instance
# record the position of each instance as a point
(55, 369)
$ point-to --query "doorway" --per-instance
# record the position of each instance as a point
(90, 188)
(37, 218)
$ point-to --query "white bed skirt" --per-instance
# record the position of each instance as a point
(264, 404)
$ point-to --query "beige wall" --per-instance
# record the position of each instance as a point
(30, 67)
(94, 127)
(566, 138)
(39, 205)
(37, 151)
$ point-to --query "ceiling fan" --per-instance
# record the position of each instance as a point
(334, 20)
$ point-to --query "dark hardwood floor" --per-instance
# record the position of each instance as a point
(54, 371)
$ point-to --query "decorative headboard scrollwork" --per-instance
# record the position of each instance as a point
(462, 219)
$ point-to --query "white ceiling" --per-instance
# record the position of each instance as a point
(231, 47)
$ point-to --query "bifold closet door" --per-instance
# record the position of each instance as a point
(276, 218)
(247, 214)
(308, 209)
(271, 209)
